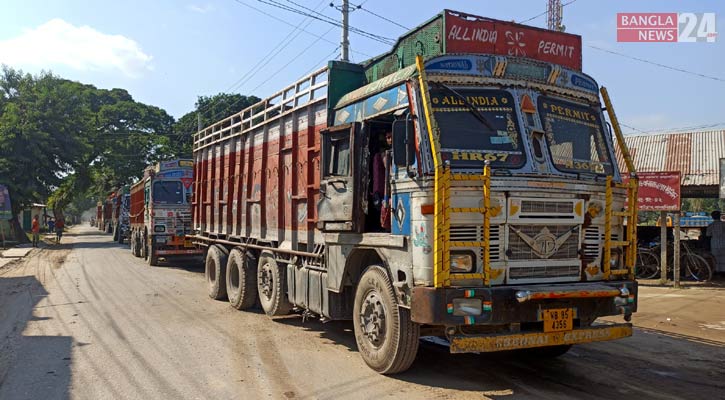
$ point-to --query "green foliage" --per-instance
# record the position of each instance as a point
(69, 143)
(209, 109)
(62, 140)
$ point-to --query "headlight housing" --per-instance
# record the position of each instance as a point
(463, 261)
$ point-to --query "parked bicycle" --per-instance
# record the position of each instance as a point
(692, 265)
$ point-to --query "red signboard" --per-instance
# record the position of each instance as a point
(658, 191)
(471, 34)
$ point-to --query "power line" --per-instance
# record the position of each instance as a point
(715, 78)
(326, 19)
(544, 13)
(290, 24)
(667, 130)
(359, 7)
(286, 41)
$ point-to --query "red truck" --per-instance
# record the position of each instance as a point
(160, 213)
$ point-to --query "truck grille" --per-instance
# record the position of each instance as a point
(593, 240)
(546, 207)
(519, 249)
(538, 272)
(474, 233)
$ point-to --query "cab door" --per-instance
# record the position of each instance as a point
(343, 164)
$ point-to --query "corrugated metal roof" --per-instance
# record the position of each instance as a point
(695, 154)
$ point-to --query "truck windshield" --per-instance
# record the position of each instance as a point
(467, 139)
(168, 192)
(574, 136)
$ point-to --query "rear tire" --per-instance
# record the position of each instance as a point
(386, 337)
(272, 286)
(241, 279)
(648, 265)
(214, 269)
(696, 267)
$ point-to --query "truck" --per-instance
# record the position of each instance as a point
(495, 220)
(160, 213)
(120, 217)
(105, 213)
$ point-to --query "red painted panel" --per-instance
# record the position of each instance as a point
(282, 183)
(471, 34)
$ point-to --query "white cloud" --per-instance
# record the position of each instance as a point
(58, 43)
(200, 9)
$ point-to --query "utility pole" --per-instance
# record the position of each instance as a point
(345, 44)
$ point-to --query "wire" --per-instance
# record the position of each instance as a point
(544, 13)
(669, 130)
(715, 78)
(326, 19)
(359, 7)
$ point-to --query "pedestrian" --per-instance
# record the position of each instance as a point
(51, 226)
(59, 229)
(716, 233)
(381, 181)
(35, 228)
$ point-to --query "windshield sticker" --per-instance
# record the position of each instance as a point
(467, 155)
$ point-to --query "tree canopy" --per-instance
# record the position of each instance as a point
(69, 143)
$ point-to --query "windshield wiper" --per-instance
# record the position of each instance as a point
(470, 106)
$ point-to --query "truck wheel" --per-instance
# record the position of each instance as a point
(143, 251)
(272, 286)
(214, 269)
(386, 337)
(152, 259)
(136, 249)
(120, 236)
(241, 279)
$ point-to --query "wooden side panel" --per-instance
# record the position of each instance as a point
(263, 184)
(225, 180)
(137, 204)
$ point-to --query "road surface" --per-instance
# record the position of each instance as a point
(87, 320)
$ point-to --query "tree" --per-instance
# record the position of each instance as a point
(209, 109)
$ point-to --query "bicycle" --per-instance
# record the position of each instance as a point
(647, 265)
(692, 265)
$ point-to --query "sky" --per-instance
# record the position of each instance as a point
(167, 53)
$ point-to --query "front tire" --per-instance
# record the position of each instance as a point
(152, 259)
(272, 286)
(241, 279)
(386, 337)
(215, 271)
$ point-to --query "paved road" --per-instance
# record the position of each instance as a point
(87, 320)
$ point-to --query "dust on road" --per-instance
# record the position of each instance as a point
(88, 320)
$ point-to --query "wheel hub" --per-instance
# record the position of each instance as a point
(372, 318)
(267, 281)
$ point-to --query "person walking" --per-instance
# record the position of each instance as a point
(51, 226)
(716, 233)
(59, 225)
(35, 229)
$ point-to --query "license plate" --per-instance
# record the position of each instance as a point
(558, 319)
(187, 243)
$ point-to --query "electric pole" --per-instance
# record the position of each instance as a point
(345, 44)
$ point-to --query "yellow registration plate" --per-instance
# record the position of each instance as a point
(187, 243)
(558, 319)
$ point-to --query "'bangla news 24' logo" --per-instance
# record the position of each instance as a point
(666, 27)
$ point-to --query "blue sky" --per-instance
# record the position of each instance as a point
(166, 53)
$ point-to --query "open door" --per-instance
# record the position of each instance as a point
(342, 166)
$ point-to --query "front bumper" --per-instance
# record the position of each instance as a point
(500, 342)
(523, 304)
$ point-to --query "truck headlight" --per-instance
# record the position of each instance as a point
(615, 260)
(462, 261)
